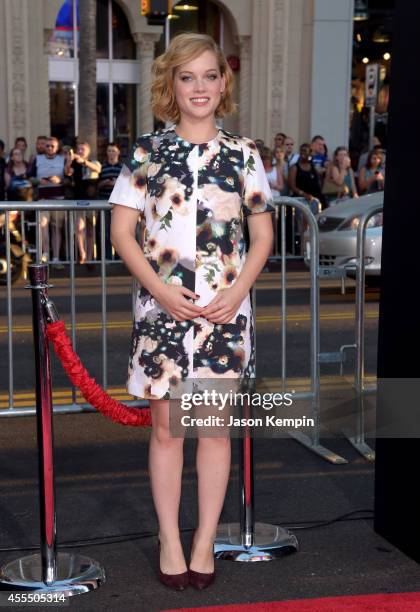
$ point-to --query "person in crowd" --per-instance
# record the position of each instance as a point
(47, 171)
(365, 153)
(16, 177)
(109, 174)
(266, 157)
(319, 156)
(20, 143)
(279, 140)
(339, 180)
(290, 157)
(39, 148)
(276, 173)
(278, 182)
(372, 175)
(85, 173)
(303, 177)
(326, 155)
(2, 171)
(304, 182)
(18, 188)
(259, 143)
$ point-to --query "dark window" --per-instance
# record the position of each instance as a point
(123, 46)
(102, 47)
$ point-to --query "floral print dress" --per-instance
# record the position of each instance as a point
(194, 198)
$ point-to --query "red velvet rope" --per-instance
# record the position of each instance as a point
(91, 391)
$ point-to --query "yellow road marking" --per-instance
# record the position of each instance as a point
(260, 319)
(23, 399)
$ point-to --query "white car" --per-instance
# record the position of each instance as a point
(338, 234)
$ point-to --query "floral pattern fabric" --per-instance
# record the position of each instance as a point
(193, 198)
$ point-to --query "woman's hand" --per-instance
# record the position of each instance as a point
(174, 300)
(224, 306)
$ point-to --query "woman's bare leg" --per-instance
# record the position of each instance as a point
(45, 231)
(213, 468)
(165, 469)
(81, 237)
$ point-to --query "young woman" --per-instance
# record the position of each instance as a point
(339, 180)
(193, 183)
(16, 177)
(276, 172)
(372, 176)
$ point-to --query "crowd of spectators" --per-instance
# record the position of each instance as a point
(56, 172)
(313, 173)
(318, 178)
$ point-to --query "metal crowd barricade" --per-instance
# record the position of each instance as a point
(291, 225)
(312, 442)
(70, 206)
(358, 440)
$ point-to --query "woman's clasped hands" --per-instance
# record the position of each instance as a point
(178, 302)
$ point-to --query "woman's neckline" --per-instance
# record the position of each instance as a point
(195, 144)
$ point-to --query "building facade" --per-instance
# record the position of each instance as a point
(292, 62)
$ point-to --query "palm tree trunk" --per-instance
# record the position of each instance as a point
(87, 74)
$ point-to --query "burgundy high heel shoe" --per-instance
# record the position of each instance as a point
(174, 581)
(201, 580)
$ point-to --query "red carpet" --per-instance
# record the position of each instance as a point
(393, 602)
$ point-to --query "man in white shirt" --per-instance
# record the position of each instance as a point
(47, 171)
(290, 156)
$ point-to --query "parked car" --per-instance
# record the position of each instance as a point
(338, 235)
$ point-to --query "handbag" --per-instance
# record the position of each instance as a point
(329, 188)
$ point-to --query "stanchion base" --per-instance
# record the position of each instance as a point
(76, 574)
(363, 448)
(270, 542)
(320, 450)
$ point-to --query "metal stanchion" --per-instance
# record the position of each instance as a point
(48, 571)
(248, 540)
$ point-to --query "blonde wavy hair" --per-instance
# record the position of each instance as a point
(184, 48)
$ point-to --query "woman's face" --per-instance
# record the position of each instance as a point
(267, 162)
(305, 153)
(198, 85)
(279, 153)
(21, 145)
(17, 155)
(342, 156)
(375, 160)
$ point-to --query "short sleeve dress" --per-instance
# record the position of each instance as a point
(194, 198)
